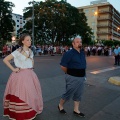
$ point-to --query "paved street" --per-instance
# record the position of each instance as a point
(101, 100)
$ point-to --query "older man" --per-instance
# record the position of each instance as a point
(73, 63)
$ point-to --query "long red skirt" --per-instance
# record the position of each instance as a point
(23, 96)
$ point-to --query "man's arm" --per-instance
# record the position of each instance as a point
(64, 69)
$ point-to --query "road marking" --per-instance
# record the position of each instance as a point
(46, 59)
(104, 70)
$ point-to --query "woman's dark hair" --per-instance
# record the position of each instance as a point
(22, 37)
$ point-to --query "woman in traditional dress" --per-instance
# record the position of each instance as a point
(23, 97)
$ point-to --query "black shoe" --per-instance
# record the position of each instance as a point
(61, 111)
(79, 114)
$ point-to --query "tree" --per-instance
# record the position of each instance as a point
(108, 42)
(57, 22)
(6, 22)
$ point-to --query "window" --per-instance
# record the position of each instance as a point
(17, 20)
(17, 25)
(93, 23)
(86, 10)
(93, 10)
(21, 21)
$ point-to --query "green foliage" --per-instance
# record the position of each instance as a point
(6, 22)
(116, 42)
(57, 22)
(110, 42)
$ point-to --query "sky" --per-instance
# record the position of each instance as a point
(21, 4)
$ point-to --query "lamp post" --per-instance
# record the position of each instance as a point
(0, 24)
(95, 14)
(33, 23)
(118, 31)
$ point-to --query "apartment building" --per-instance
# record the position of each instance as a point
(104, 20)
(19, 23)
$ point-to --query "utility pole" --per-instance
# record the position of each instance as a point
(94, 37)
(33, 23)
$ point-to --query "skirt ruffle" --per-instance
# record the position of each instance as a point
(17, 109)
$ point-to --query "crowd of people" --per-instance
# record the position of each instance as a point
(52, 50)
(37, 50)
(98, 50)
(59, 49)
(89, 50)
(7, 49)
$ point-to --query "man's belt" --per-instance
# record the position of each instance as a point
(76, 72)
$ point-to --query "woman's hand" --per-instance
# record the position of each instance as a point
(16, 70)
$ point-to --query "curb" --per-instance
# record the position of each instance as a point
(114, 80)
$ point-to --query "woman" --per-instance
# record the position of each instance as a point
(23, 96)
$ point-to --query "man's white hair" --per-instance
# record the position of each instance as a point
(78, 36)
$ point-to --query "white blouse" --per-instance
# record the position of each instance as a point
(21, 61)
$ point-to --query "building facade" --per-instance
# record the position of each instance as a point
(104, 21)
(19, 23)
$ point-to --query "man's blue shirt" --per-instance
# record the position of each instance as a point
(116, 51)
(74, 59)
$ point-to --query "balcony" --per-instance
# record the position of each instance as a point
(101, 38)
(105, 11)
(117, 18)
(104, 32)
(116, 35)
(104, 25)
(104, 18)
(116, 15)
(116, 23)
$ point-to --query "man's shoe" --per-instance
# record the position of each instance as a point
(78, 114)
(61, 111)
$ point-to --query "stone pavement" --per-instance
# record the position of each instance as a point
(101, 99)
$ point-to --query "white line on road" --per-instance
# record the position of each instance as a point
(46, 59)
(104, 70)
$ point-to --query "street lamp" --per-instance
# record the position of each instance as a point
(13, 39)
(95, 13)
(118, 29)
(33, 23)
